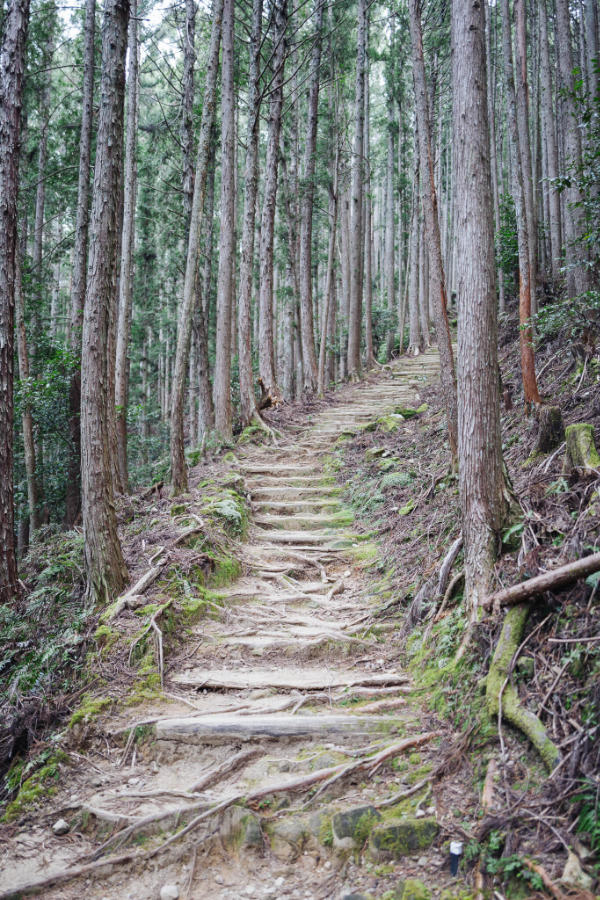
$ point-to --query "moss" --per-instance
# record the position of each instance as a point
(178, 509)
(365, 554)
(37, 788)
(326, 832)
(415, 890)
(581, 450)
(390, 423)
(402, 837)
(512, 711)
(89, 708)
(105, 637)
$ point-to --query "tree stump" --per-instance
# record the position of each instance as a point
(551, 429)
(581, 453)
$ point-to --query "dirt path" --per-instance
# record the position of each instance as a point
(289, 680)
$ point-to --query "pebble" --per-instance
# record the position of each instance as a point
(169, 892)
(420, 813)
(249, 890)
(133, 781)
(279, 882)
(328, 864)
(60, 827)
(218, 879)
(422, 861)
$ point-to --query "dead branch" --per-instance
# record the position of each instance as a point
(447, 564)
(546, 880)
(138, 588)
(548, 581)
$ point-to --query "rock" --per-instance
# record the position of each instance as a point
(169, 892)
(575, 875)
(288, 838)
(390, 423)
(415, 890)
(402, 837)
(60, 827)
(352, 827)
(581, 450)
(374, 452)
(526, 667)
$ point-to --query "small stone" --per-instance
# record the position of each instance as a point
(420, 814)
(169, 892)
(249, 890)
(573, 874)
(60, 827)
(279, 882)
(431, 810)
(133, 781)
(218, 879)
(422, 861)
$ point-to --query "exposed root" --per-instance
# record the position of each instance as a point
(502, 697)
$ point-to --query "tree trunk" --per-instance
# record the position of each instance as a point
(575, 251)
(79, 272)
(480, 454)
(330, 276)
(12, 55)
(437, 279)
(248, 408)
(389, 224)
(493, 154)
(187, 117)
(190, 296)
(26, 416)
(368, 230)
(222, 379)
(306, 209)
(414, 330)
(127, 248)
(522, 98)
(530, 388)
(266, 353)
(206, 410)
(105, 567)
(356, 227)
(549, 137)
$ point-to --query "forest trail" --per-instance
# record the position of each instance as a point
(289, 679)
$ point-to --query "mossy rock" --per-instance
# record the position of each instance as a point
(352, 827)
(390, 423)
(374, 452)
(288, 837)
(415, 890)
(178, 509)
(241, 828)
(395, 479)
(396, 838)
(581, 450)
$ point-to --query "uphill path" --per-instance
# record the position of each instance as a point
(273, 764)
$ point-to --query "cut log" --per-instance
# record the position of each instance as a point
(225, 729)
(551, 429)
(318, 679)
(581, 451)
(548, 581)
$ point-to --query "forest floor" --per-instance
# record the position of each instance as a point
(275, 712)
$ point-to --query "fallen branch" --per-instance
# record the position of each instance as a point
(447, 564)
(137, 590)
(548, 581)
(546, 880)
(225, 768)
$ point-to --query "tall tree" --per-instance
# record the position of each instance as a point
(248, 408)
(127, 248)
(437, 278)
(530, 388)
(266, 350)
(575, 252)
(306, 208)
(356, 221)
(479, 441)
(222, 379)
(190, 294)
(12, 56)
(550, 141)
(79, 271)
(105, 566)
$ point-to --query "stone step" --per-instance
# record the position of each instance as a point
(298, 506)
(304, 522)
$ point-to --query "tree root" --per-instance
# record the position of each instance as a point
(502, 697)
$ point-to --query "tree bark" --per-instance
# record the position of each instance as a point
(105, 566)
(26, 416)
(368, 228)
(12, 56)
(578, 279)
(127, 248)
(222, 378)
(356, 220)
(479, 441)
(248, 407)
(190, 296)
(187, 117)
(530, 389)
(330, 276)
(79, 272)
(266, 352)
(549, 136)
(437, 279)
(306, 209)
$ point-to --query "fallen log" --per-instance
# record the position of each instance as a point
(547, 581)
